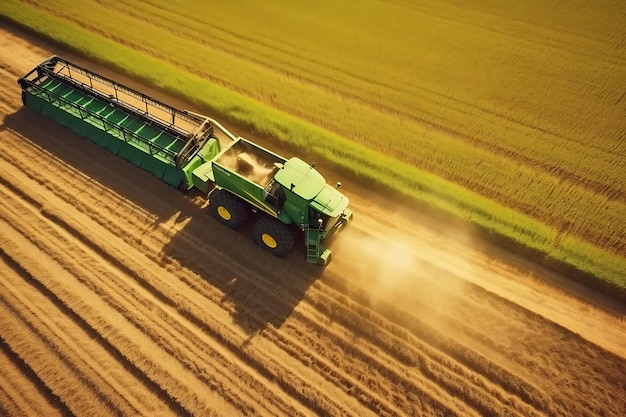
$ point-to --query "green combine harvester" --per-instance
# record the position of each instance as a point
(185, 150)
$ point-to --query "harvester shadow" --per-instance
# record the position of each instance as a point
(94, 164)
(257, 288)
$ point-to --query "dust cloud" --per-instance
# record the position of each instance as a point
(395, 265)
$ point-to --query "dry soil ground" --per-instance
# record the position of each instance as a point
(120, 296)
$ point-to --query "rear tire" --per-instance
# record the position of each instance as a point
(228, 209)
(273, 236)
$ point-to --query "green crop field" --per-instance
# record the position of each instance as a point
(511, 116)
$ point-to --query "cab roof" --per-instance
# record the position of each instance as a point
(301, 178)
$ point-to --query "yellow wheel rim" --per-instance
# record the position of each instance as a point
(269, 240)
(224, 213)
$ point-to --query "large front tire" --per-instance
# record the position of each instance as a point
(273, 236)
(228, 209)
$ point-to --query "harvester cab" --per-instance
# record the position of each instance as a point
(311, 203)
(309, 200)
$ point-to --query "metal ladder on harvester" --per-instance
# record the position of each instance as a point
(312, 237)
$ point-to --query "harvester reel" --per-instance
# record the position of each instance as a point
(273, 236)
(228, 209)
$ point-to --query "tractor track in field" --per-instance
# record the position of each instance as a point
(120, 296)
(168, 335)
(311, 322)
(50, 302)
